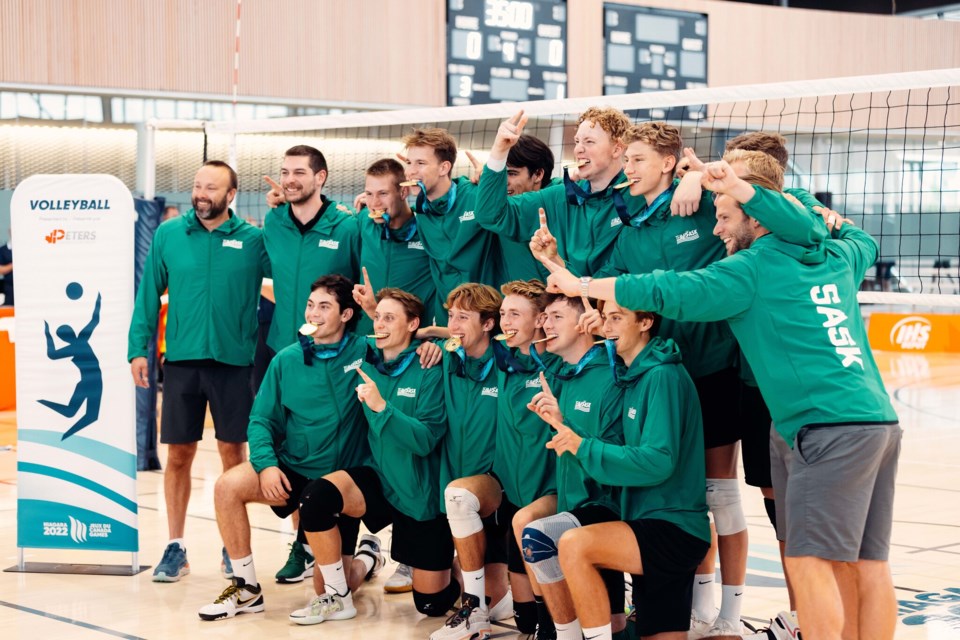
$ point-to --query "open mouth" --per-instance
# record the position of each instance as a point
(576, 164)
(410, 183)
(379, 336)
(376, 213)
(503, 337)
(454, 343)
(624, 185)
(308, 329)
(610, 339)
(548, 338)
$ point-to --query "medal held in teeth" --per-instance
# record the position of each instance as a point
(453, 344)
(409, 183)
(376, 214)
(503, 337)
(575, 165)
(308, 329)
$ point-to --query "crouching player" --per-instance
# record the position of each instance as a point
(403, 404)
(591, 403)
(665, 532)
(480, 508)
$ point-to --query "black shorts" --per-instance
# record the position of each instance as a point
(612, 580)
(349, 527)
(188, 388)
(421, 544)
(755, 445)
(721, 423)
(663, 595)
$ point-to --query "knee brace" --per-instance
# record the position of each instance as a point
(463, 512)
(539, 545)
(723, 500)
(320, 505)
(771, 506)
(437, 604)
(525, 614)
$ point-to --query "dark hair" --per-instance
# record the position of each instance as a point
(317, 162)
(387, 167)
(340, 288)
(639, 315)
(234, 183)
(574, 301)
(412, 305)
(534, 154)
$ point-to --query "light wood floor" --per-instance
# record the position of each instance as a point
(925, 556)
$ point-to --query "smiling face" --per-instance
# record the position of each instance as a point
(593, 145)
(520, 180)
(425, 166)
(561, 321)
(383, 194)
(623, 326)
(392, 322)
(734, 227)
(298, 180)
(323, 310)
(650, 172)
(473, 332)
(211, 192)
(520, 317)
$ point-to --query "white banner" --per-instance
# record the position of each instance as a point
(76, 436)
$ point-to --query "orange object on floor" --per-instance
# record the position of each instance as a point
(8, 389)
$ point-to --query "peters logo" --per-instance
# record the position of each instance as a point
(632, 413)
(60, 235)
(353, 366)
(911, 333)
(688, 236)
(582, 405)
(493, 392)
(329, 244)
(615, 222)
(233, 244)
(415, 244)
(407, 392)
(467, 215)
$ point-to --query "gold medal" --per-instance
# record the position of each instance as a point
(503, 337)
(308, 329)
(453, 343)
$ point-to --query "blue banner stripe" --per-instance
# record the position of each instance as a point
(117, 459)
(86, 483)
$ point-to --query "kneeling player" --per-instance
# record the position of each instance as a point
(661, 470)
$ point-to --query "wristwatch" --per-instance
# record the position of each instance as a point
(585, 286)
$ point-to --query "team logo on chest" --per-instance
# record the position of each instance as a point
(329, 244)
(233, 244)
(582, 405)
(407, 392)
(688, 236)
(632, 413)
(493, 392)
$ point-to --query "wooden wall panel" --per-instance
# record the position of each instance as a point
(392, 51)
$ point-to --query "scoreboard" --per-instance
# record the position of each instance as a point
(650, 49)
(506, 51)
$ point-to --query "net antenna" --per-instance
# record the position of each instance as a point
(883, 150)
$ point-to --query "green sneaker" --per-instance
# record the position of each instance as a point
(299, 565)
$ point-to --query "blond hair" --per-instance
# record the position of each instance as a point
(772, 144)
(473, 296)
(440, 140)
(532, 290)
(664, 138)
(611, 120)
(759, 164)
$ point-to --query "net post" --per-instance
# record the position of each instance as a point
(147, 159)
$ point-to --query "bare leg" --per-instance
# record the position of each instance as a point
(236, 488)
(878, 603)
(177, 485)
(819, 607)
(231, 453)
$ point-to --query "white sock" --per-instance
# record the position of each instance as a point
(475, 584)
(569, 630)
(704, 602)
(243, 568)
(731, 601)
(180, 542)
(598, 633)
(366, 561)
(307, 548)
(334, 579)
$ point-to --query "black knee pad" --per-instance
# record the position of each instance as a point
(525, 615)
(320, 504)
(771, 506)
(436, 605)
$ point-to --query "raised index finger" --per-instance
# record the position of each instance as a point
(586, 303)
(365, 377)
(273, 184)
(366, 278)
(543, 219)
(545, 385)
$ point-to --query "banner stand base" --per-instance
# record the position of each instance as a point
(78, 569)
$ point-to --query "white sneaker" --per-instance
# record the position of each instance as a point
(698, 626)
(401, 581)
(468, 623)
(785, 627)
(370, 546)
(724, 627)
(238, 598)
(324, 607)
(503, 610)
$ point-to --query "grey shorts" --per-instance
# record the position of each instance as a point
(834, 490)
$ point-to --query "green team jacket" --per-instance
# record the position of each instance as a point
(665, 241)
(794, 311)
(525, 467)
(660, 467)
(214, 280)
(591, 404)
(518, 262)
(459, 249)
(404, 436)
(331, 246)
(394, 262)
(585, 233)
(307, 416)
(470, 393)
